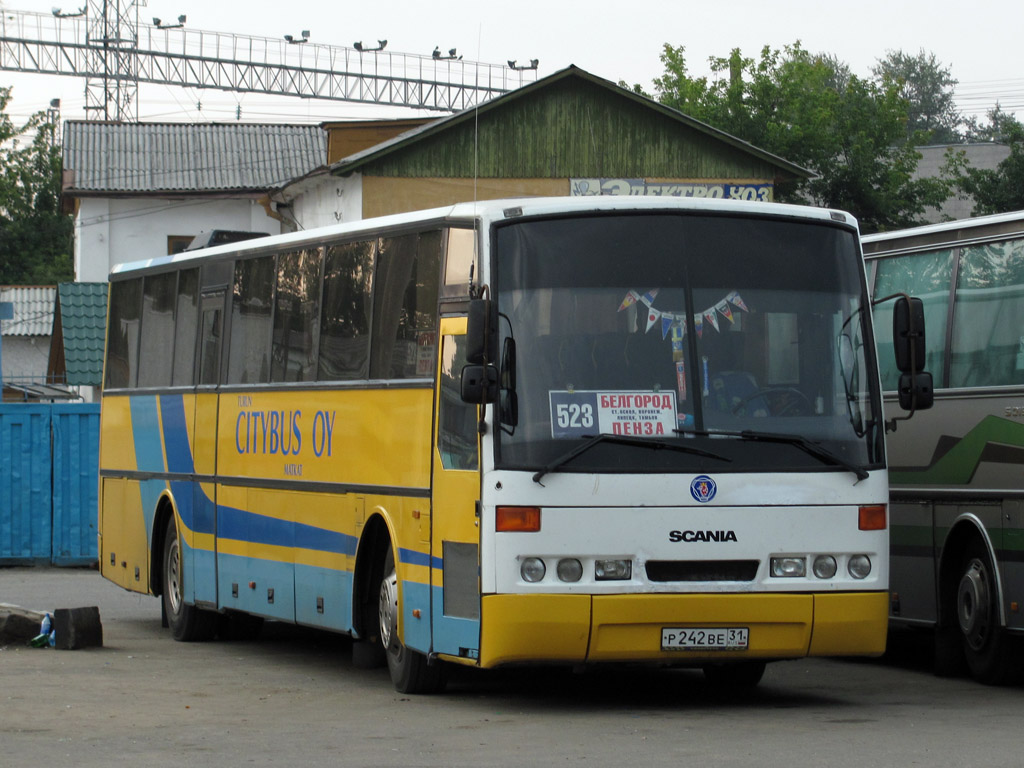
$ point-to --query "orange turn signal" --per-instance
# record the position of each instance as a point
(522, 519)
(872, 518)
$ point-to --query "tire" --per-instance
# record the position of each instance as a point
(742, 674)
(187, 623)
(992, 656)
(410, 670)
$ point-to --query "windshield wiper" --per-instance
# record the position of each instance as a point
(813, 449)
(592, 440)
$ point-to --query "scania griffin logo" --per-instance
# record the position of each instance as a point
(703, 488)
(691, 536)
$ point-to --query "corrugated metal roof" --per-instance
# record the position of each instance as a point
(33, 309)
(83, 317)
(177, 157)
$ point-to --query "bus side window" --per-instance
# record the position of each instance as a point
(457, 424)
(209, 350)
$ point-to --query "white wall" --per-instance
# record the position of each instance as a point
(326, 200)
(113, 231)
(25, 358)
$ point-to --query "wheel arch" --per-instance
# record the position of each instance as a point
(966, 529)
(165, 511)
(377, 536)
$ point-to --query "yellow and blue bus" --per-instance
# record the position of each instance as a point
(572, 431)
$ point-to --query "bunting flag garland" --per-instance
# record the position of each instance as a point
(631, 298)
(670, 320)
(723, 308)
(734, 298)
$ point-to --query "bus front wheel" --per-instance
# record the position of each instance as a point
(410, 670)
(990, 653)
(187, 623)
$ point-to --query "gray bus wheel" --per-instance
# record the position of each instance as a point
(410, 671)
(187, 622)
(990, 653)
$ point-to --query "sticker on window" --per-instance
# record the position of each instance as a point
(640, 414)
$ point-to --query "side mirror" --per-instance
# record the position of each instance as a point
(479, 384)
(915, 391)
(481, 333)
(908, 334)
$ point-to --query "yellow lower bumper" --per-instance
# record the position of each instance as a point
(586, 628)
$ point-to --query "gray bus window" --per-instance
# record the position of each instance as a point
(345, 322)
(927, 276)
(405, 306)
(296, 316)
(988, 317)
(249, 346)
(186, 318)
(456, 421)
(158, 296)
(123, 333)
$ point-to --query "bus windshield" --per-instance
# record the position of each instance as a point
(684, 331)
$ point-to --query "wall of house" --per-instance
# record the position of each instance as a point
(113, 231)
(385, 195)
(24, 358)
(327, 201)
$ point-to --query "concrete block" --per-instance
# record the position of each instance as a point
(77, 628)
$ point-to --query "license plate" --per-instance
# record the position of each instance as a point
(704, 638)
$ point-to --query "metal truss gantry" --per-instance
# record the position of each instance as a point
(114, 53)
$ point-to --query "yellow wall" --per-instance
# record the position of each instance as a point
(382, 196)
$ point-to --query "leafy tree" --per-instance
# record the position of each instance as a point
(927, 87)
(35, 236)
(1001, 189)
(811, 110)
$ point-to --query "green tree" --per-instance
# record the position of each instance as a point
(1001, 189)
(811, 110)
(927, 87)
(35, 236)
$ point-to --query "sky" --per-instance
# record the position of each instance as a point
(620, 41)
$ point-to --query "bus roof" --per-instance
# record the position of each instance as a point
(486, 212)
(960, 229)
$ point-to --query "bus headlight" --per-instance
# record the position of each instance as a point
(569, 569)
(532, 569)
(824, 566)
(859, 566)
(613, 570)
(789, 567)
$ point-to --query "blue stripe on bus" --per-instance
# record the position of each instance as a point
(179, 452)
(240, 525)
(149, 453)
(412, 557)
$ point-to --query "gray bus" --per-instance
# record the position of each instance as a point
(957, 472)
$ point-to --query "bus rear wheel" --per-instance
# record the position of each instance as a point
(991, 655)
(187, 622)
(410, 670)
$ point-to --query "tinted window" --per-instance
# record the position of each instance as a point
(405, 306)
(123, 333)
(926, 276)
(988, 320)
(158, 298)
(457, 420)
(345, 328)
(249, 355)
(185, 321)
(296, 316)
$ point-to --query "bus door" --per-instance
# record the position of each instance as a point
(204, 450)
(455, 525)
